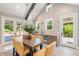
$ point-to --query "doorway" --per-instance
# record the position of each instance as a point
(68, 30)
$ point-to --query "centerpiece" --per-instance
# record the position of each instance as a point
(30, 28)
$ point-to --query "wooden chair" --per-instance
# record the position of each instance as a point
(21, 50)
(47, 51)
(40, 53)
(50, 49)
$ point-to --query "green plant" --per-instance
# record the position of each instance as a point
(8, 26)
(29, 28)
(68, 29)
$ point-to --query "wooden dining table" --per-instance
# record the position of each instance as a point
(32, 44)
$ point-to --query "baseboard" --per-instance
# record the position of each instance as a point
(71, 47)
(68, 46)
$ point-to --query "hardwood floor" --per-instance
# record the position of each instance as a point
(6, 53)
(66, 51)
(60, 51)
(6, 50)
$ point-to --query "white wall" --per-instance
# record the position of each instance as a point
(59, 9)
(78, 31)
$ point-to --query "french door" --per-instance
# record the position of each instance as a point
(68, 31)
(7, 30)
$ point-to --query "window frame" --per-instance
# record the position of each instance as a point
(46, 24)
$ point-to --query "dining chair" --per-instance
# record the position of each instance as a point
(50, 49)
(19, 46)
(40, 52)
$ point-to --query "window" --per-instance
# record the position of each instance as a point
(8, 30)
(37, 25)
(8, 26)
(49, 8)
(49, 24)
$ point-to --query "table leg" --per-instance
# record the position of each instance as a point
(41, 46)
(31, 52)
(35, 50)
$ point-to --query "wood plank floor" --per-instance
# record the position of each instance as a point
(66, 51)
(60, 51)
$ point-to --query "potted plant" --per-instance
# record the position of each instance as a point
(29, 28)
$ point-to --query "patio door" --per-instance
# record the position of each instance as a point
(7, 30)
(68, 30)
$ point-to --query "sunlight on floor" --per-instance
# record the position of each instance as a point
(8, 47)
(6, 51)
(66, 51)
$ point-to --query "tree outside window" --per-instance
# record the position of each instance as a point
(37, 25)
(8, 30)
(49, 24)
(8, 26)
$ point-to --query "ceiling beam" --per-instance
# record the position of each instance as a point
(30, 10)
(41, 11)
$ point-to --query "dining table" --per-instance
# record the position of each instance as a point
(33, 44)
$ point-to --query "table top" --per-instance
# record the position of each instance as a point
(34, 43)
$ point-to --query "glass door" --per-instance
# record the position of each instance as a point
(68, 30)
(67, 34)
(8, 31)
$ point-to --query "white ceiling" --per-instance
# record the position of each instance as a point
(21, 9)
(15, 9)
